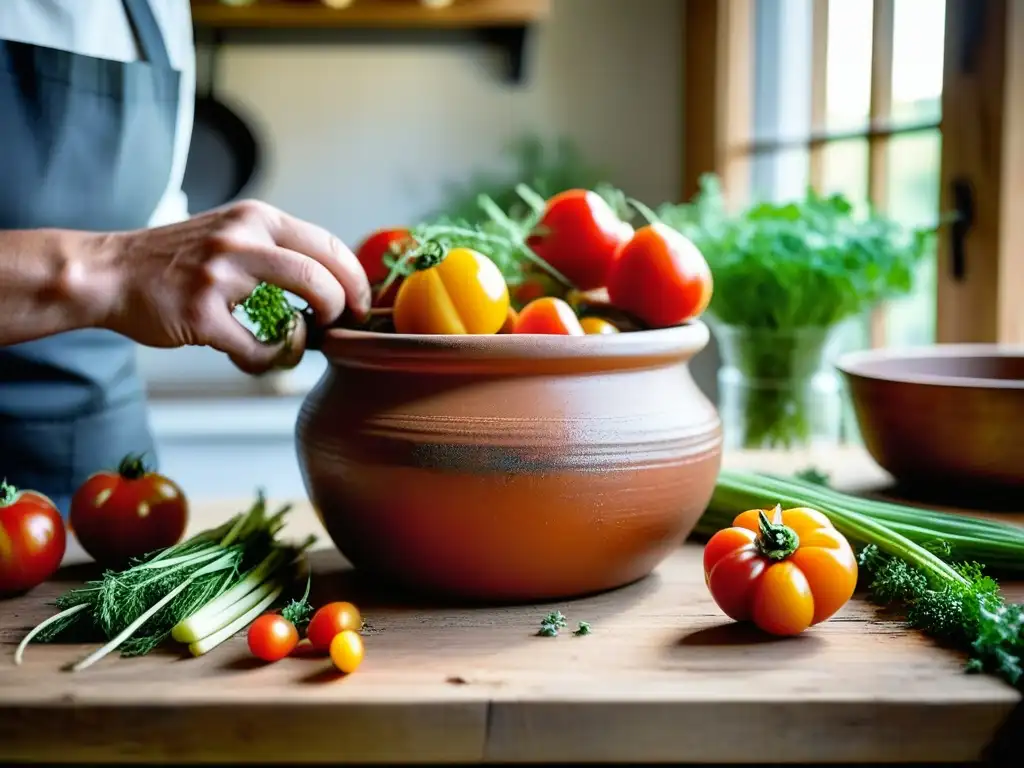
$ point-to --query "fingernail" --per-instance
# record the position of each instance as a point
(365, 300)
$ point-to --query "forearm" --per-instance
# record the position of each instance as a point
(53, 281)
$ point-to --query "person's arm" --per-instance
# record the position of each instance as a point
(51, 281)
(176, 285)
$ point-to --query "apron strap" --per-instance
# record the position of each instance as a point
(147, 30)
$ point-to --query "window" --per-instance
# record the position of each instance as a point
(903, 103)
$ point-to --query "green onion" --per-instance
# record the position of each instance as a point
(866, 521)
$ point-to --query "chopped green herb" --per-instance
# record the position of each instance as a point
(582, 629)
(269, 310)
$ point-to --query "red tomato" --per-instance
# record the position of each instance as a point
(32, 539)
(272, 637)
(128, 513)
(550, 316)
(580, 235)
(370, 254)
(331, 620)
(784, 574)
(660, 277)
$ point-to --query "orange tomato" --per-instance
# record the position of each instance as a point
(784, 574)
(597, 326)
(347, 651)
(461, 293)
(660, 277)
(550, 316)
(510, 321)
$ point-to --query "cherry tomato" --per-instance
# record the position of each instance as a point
(458, 292)
(510, 321)
(347, 651)
(550, 316)
(272, 637)
(370, 254)
(660, 277)
(579, 235)
(329, 621)
(120, 515)
(785, 574)
(32, 539)
(597, 326)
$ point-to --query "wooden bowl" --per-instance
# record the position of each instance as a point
(509, 468)
(945, 415)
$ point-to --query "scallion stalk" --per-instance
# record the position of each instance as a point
(888, 526)
(210, 642)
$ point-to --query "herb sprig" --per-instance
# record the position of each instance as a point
(222, 573)
(967, 611)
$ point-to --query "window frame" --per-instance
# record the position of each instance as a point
(982, 132)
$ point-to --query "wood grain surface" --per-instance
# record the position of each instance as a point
(663, 677)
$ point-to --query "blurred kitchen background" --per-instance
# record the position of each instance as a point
(363, 130)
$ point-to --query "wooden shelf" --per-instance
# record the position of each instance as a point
(369, 14)
(501, 24)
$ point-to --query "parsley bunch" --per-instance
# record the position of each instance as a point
(784, 276)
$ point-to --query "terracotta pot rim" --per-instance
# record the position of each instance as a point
(679, 342)
(880, 365)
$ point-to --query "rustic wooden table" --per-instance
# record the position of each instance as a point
(663, 677)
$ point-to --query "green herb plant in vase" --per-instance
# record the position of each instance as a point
(786, 277)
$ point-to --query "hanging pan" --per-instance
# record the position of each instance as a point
(224, 154)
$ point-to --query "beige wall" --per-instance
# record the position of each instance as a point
(364, 136)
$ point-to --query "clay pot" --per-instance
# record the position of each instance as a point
(509, 468)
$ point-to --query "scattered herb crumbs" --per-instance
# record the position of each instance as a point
(551, 623)
(582, 629)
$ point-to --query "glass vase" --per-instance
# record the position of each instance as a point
(778, 389)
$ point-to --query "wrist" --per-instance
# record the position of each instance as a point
(88, 277)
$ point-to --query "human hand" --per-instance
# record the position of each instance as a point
(177, 285)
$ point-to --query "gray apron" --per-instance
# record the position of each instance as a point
(87, 144)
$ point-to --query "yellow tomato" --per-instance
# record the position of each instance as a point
(347, 651)
(464, 294)
(597, 325)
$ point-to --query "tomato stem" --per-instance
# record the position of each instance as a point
(647, 213)
(7, 493)
(776, 541)
(428, 255)
(132, 466)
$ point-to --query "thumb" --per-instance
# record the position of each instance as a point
(254, 357)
